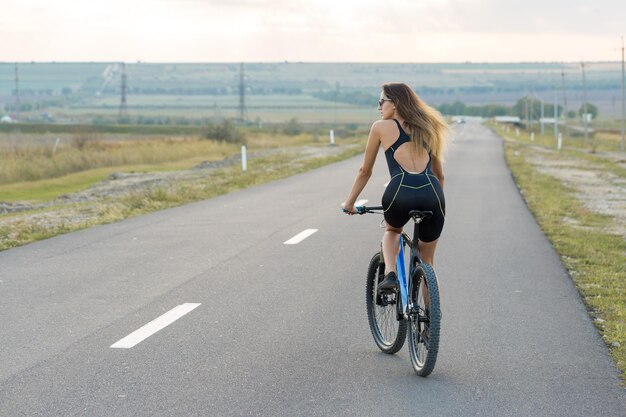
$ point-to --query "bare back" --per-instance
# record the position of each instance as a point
(405, 155)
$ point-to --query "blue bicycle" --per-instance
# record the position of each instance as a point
(415, 305)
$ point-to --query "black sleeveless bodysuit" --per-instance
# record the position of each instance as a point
(408, 191)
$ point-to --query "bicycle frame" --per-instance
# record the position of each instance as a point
(414, 259)
(403, 307)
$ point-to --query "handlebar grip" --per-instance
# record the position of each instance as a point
(359, 210)
(363, 209)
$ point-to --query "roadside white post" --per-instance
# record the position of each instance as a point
(332, 137)
(532, 136)
(244, 159)
(56, 143)
(559, 141)
(517, 132)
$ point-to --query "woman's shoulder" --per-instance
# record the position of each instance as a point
(383, 124)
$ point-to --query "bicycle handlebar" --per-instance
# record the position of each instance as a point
(363, 209)
(417, 215)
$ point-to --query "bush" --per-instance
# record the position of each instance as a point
(292, 127)
(225, 131)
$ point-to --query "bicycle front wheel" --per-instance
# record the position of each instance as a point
(389, 333)
(424, 320)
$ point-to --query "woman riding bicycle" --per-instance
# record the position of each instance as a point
(413, 136)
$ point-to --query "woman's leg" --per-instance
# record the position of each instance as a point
(427, 251)
(391, 247)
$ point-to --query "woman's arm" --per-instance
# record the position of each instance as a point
(438, 170)
(365, 172)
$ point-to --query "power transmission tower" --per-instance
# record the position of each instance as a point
(124, 88)
(242, 95)
(585, 102)
(17, 93)
(564, 102)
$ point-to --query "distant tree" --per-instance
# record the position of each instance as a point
(571, 114)
(66, 91)
(590, 109)
(123, 120)
(534, 109)
(22, 107)
(354, 97)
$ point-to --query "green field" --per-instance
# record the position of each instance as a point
(276, 92)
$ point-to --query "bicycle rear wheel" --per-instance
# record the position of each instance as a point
(424, 320)
(389, 333)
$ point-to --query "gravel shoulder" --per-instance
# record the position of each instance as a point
(598, 189)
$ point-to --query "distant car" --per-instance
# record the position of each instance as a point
(460, 121)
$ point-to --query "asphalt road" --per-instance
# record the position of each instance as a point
(281, 330)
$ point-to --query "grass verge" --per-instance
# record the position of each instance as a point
(22, 228)
(595, 259)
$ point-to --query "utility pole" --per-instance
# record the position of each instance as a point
(533, 115)
(123, 116)
(242, 99)
(556, 114)
(527, 114)
(564, 102)
(623, 106)
(217, 112)
(585, 102)
(542, 116)
(337, 88)
(17, 93)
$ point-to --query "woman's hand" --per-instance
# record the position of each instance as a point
(348, 208)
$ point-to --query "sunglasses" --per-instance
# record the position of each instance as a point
(382, 100)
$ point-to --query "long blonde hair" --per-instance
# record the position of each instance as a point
(428, 127)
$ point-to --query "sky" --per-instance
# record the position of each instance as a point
(311, 30)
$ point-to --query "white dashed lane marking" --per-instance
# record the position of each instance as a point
(300, 237)
(154, 326)
(361, 202)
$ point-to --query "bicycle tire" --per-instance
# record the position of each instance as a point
(424, 336)
(389, 333)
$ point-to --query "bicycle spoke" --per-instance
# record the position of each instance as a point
(420, 328)
(389, 333)
(387, 323)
